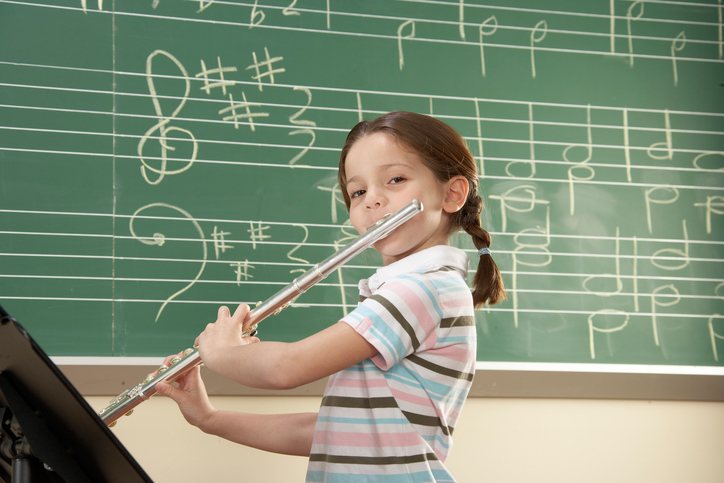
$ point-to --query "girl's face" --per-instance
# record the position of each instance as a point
(383, 176)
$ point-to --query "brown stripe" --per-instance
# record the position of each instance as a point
(374, 460)
(399, 318)
(445, 268)
(466, 376)
(359, 402)
(430, 421)
(462, 321)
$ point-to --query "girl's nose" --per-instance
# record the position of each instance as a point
(375, 198)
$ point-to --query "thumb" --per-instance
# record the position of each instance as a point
(166, 389)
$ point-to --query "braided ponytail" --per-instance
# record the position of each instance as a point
(445, 153)
(487, 282)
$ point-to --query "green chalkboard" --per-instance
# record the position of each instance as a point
(160, 158)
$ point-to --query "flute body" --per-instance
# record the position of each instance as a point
(129, 399)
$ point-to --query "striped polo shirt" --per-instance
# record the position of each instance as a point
(390, 418)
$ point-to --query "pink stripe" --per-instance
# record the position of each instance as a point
(420, 401)
(454, 303)
(340, 438)
(453, 352)
(416, 305)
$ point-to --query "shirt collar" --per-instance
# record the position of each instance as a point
(423, 261)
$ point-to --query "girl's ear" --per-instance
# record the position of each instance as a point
(456, 195)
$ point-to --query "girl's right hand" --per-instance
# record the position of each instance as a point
(190, 395)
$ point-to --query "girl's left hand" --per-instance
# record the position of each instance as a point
(223, 336)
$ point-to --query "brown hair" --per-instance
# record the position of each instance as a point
(446, 154)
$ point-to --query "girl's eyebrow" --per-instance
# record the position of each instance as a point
(382, 168)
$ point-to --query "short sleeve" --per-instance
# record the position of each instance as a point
(398, 319)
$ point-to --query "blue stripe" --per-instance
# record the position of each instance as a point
(392, 342)
(456, 340)
(427, 291)
(329, 419)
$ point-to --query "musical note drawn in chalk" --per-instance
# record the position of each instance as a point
(485, 30)
(536, 36)
(203, 5)
(720, 29)
(711, 205)
(714, 335)
(677, 45)
(84, 4)
(336, 198)
(629, 18)
(162, 126)
(411, 35)
(592, 329)
(159, 239)
(580, 165)
(668, 300)
(649, 198)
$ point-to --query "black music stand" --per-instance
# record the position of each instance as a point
(45, 423)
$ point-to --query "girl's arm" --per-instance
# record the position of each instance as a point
(278, 433)
(278, 365)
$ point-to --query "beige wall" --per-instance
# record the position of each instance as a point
(498, 440)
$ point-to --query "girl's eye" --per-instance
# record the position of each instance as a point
(397, 179)
(356, 194)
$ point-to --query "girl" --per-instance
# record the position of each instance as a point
(401, 364)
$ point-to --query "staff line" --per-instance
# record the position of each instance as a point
(344, 285)
(504, 272)
(561, 12)
(525, 122)
(331, 226)
(548, 254)
(327, 305)
(330, 168)
(326, 13)
(328, 89)
(324, 148)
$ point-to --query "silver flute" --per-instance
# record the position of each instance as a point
(125, 402)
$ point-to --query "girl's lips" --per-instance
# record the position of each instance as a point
(379, 222)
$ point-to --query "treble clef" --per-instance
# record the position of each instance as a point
(162, 126)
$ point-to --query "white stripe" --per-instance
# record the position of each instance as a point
(106, 361)
(479, 366)
(422, 20)
(312, 305)
(599, 368)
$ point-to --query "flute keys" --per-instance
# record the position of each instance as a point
(276, 312)
(162, 369)
(188, 352)
(175, 360)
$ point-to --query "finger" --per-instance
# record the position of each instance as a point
(166, 363)
(166, 389)
(250, 340)
(224, 311)
(168, 359)
(241, 311)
